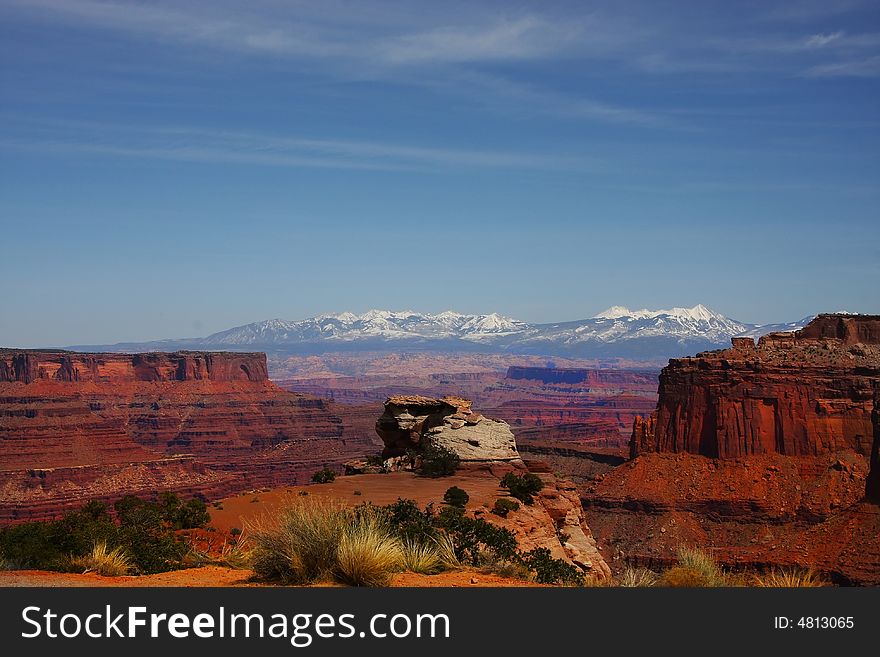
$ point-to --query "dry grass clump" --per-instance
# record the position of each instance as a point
(298, 545)
(789, 578)
(695, 569)
(317, 540)
(445, 548)
(368, 553)
(422, 558)
(637, 578)
(103, 561)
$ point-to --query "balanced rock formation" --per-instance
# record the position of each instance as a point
(805, 393)
(77, 426)
(413, 422)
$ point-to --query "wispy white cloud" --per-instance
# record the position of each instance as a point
(527, 37)
(821, 40)
(238, 147)
(860, 68)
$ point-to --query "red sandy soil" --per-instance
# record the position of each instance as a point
(482, 486)
(378, 489)
(218, 576)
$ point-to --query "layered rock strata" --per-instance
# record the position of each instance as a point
(761, 453)
(805, 393)
(75, 427)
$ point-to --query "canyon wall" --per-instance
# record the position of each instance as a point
(75, 427)
(805, 393)
(761, 453)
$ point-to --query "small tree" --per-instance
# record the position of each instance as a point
(523, 487)
(552, 571)
(455, 496)
(324, 476)
(503, 506)
(438, 461)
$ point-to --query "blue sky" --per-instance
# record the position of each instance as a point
(171, 169)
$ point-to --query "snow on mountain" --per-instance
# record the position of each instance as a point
(617, 331)
(762, 329)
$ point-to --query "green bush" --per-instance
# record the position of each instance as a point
(143, 530)
(523, 487)
(471, 536)
(455, 496)
(503, 506)
(552, 571)
(438, 461)
(410, 522)
(324, 476)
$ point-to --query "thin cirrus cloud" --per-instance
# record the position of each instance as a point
(860, 68)
(304, 34)
(238, 147)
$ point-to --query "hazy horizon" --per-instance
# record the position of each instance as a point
(174, 169)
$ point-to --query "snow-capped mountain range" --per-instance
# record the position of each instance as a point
(615, 332)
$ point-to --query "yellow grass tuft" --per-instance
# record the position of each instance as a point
(368, 554)
(789, 578)
(637, 578)
(421, 558)
(103, 561)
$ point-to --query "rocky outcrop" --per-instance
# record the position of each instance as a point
(805, 393)
(75, 427)
(412, 422)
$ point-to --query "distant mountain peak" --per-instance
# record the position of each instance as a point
(698, 313)
(615, 332)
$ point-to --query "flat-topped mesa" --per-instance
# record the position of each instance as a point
(411, 422)
(804, 393)
(31, 366)
(76, 426)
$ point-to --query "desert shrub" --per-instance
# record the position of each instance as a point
(472, 536)
(455, 496)
(368, 553)
(503, 506)
(552, 571)
(235, 531)
(789, 578)
(183, 515)
(102, 560)
(410, 522)
(323, 476)
(523, 487)
(142, 530)
(637, 578)
(299, 544)
(438, 461)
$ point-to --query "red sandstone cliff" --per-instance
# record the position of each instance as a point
(97, 426)
(805, 393)
(758, 453)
